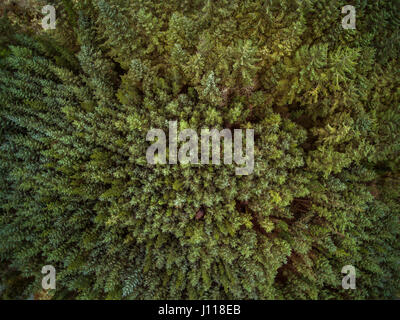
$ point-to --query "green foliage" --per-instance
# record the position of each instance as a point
(76, 191)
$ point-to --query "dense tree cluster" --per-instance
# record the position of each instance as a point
(77, 193)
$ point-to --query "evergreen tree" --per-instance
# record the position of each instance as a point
(76, 191)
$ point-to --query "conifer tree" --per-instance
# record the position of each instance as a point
(76, 191)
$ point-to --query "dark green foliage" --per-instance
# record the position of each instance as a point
(77, 192)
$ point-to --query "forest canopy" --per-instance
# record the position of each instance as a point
(77, 193)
